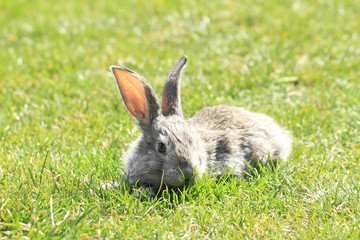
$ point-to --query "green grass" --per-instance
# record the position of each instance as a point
(64, 129)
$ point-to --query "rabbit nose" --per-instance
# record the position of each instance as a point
(187, 171)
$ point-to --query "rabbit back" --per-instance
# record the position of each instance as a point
(234, 138)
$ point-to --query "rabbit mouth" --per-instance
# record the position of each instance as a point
(176, 177)
(156, 190)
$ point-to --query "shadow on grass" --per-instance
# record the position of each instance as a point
(192, 189)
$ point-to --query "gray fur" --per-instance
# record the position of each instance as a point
(216, 140)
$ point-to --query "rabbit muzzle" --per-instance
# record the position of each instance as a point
(175, 177)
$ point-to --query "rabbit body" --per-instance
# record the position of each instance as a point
(234, 138)
(216, 140)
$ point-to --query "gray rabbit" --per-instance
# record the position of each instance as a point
(216, 140)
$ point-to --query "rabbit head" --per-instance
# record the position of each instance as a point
(165, 152)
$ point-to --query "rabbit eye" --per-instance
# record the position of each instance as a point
(161, 148)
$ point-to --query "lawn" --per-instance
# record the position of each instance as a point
(64, 129)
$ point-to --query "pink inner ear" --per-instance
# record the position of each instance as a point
(135, 105)
(133, 93)
(164, 103)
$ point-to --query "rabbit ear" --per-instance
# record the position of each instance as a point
(171, 98)
(138, 96)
